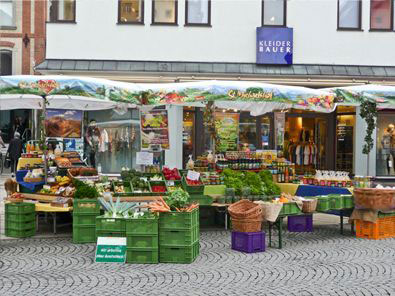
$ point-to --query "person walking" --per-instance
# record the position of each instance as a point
(15, 150)
(2, 144)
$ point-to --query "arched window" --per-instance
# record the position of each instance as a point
(5, 62)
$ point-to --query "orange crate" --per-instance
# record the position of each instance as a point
(383, 228)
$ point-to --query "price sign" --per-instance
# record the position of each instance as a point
(111, 249)
(192, 175)
(144, 158)
(170, 183)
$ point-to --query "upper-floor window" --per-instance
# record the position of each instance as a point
(198, 12)
(7, 13)
(381, 14)
(62, 11)
(131, 11)
(274, 12)
(5, 62)
(164, 12)
(349, 14)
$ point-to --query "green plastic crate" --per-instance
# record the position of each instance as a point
(203, 200)
(336, 201)
(86, 206)
(126, 185)
(197, 189)
(20, 208)
(110, 224)
(110, 234)
(142, 241)
(20, 225)
(387, 214)
(323, 204)
(178, 238)
(158, 183)
(179, 220)
(142, 226)
(84, 219)
(179, 254)
(20, 233)
(84, 234)
(206, 216)
(20, 217)
(348, 201)
(290, 208)
(142, 256)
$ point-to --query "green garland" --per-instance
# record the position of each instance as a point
(369, 113)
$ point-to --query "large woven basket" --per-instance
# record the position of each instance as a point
(309, 205)
(374, 199)
(245, 209)
(247, 225)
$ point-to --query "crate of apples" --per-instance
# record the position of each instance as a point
(171, 174)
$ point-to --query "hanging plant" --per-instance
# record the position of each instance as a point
(369, 113)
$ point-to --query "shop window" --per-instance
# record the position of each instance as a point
(5, 62)
(274, 12)
(349, 14)
(119, 139)
(131, 12)
(381, 17)
(188, 135)
(345, 143)
(247, 131)
(265, 133)
(7, 13)
(385, 156)
(62, 11)
(164, 12)
(198, 12)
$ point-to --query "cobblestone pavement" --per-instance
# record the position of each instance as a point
(319, 263)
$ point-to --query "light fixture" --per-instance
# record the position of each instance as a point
(26, 40)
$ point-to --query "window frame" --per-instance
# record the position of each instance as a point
(188, 24)
(392, 3)
(359, 28)
(153, 23)
(73, 21)
(284, 15)
(13, 25)
(134, 22)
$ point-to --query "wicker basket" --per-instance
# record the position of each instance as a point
(309, 205)
(374, 199)
(247, 225)
(245, 209)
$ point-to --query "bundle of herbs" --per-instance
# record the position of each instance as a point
(84, 190)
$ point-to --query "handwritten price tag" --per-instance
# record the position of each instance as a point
(192, 175)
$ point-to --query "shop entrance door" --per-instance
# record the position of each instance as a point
(308, 141)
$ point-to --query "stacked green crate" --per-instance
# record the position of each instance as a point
(85, 212)
(179, 237)
(20, 219)
(110, 227)
(142, 240)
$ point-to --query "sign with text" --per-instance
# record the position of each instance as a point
(111, 249)
(192, 175)
(274, 45)
(144, 158)
(154, 129)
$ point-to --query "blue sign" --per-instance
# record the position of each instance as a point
(274, 45)
(69, 145)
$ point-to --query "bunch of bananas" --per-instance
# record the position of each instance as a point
(62, 181)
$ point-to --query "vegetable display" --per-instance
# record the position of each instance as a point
(84, 190)
(116, 210)
(171, 174)
(177, 199)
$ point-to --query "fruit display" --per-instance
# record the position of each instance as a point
(171, 174)
(63, 162)
(63, 186)
(16, 197)
(158, 188)
(193, 182)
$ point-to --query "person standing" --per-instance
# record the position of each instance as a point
(15, 150)
(2, 144)
(92, 138)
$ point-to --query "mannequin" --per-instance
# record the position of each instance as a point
(388, 146)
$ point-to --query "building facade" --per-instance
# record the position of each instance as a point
(334, 43)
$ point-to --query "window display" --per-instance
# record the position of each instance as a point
(345, 143)
(385, 144)
(117, 140)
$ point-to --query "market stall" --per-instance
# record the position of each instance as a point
(228, 172)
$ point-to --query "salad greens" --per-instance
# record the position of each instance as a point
(177, 199)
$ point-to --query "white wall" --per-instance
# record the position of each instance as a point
(230, 39)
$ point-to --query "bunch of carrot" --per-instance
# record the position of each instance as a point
(161, 206)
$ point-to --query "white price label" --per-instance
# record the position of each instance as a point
(192, 175)
(170, 183)
(144, 158)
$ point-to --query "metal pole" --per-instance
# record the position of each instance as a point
(44, 138)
